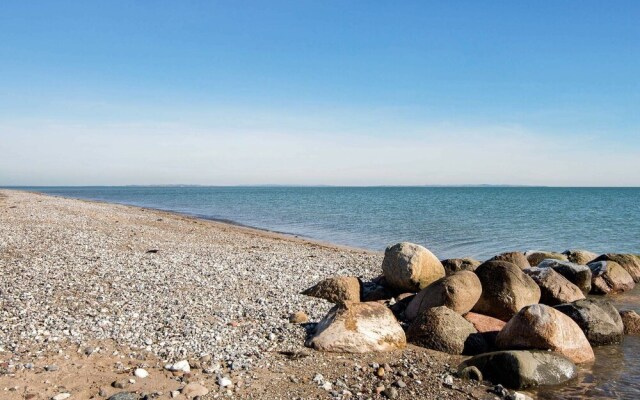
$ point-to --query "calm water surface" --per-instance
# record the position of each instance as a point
(452, 222)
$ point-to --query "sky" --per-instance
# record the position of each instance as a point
(320, 92)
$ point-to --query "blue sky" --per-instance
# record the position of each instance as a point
(322, 92)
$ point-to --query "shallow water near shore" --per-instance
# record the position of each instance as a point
(452, 222)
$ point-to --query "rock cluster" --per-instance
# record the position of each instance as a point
(503, 311)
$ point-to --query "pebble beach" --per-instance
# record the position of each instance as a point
(101, 290)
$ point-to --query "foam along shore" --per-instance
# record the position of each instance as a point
(90, 292)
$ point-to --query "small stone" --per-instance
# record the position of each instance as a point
(299, 317)
(141, 373)
(390, 393)
(380, 389)
(123, 396)
(102, 392)
(224, 382)
(194, 389)
(401, 384)
(89, 351)
(51, 368)
(272, 336)
(471, 373)
(175, 394)
(180, 366)
(447, 381)
(120, 384)
(380, 372)
(327, 386)
(61, 396)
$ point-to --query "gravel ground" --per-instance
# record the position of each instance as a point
(173, 287)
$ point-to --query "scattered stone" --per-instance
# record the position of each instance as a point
(124, 396)
(180, 366)
(120, 384)
(631, 321)
(535, 257)
(554, 288)
(224, 382)
(542, 327)
(194, 389)
(61, 396)
(442, 329)
(609, 277)
(390, 393)
(459, 292)
(514, 257)
(51, 368)
(299, 317)
(520, 369)
(505, 290)
(581, 257)
(336, 290)
(598, 319)
(579, 275)
(408, 267)
(102, 392)
(358, 328)
(141, 373)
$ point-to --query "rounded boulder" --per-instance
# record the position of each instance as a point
(459, 292)
(609, 277)
(535, 257)
(542, 327)
(581, 257)
(336, 290)
(629, 262)
(408, 267)
(554, 288)
(505, 290)
(514, 257)
(598, 319)
(453, 265)
(579, 275)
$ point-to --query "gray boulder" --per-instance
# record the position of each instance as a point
(459, 292)
(554, 288)
(579, 275)
(408, 267)
(442, 329)
(453, 265)
(598, 319)
(521, 369)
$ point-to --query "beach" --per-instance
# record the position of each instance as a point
(97, 290)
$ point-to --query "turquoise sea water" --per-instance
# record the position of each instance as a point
(451, 221)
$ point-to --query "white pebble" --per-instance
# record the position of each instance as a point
(141, 373)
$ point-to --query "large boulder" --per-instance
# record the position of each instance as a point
(486, 326)
(514, 257)
(609, 277)
(459, 292)
(358, 328)
(579, 275)
(554, 288)
(505, 290)
(408, 267)
(336, 290)
(629, 262)
(582, 257)
(598, 319)
(535, 257)
(631, 321)
(453, 265)
(442, 329)
(521, 369)
(542, 327)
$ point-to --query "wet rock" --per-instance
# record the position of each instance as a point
(513, 257)
(408, 267)
(505, 290)
(631, 321)
(544, 328)
(609, 277)
(628, 262)
(523, 369)
(336, 290)
(598, 319)
(358, 328)
(581, 257)
(453, 265)
(554, 288)
(535, 257)
(442, 329)
(460, 292)
(579, 275)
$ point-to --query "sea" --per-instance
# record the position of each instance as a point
(452, 222)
